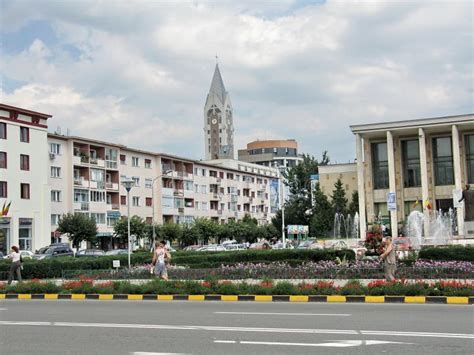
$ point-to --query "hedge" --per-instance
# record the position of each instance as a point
(448, 253)
(54, 267)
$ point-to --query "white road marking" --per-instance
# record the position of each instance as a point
(237, 329)
(145, 353)
(3, 309)
(334, 344)
(225, 341)
(288, 314)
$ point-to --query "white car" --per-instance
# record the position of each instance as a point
(26, 254)
(212, 247)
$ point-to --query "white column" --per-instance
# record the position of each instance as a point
(424, 178)
(361, 186)
(392, 181)
(457, 177)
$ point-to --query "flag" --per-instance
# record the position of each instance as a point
(6, 209)
(428, 204)
(415, 205)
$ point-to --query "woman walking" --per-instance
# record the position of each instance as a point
(15, 267)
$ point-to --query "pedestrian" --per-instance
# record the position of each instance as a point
(160, 258)
(389, 257)
(15, 267)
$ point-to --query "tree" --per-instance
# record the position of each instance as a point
(79, 227)
(189, 235)
(206, 229)
(322, 218)
(338, 198)
(138, 228)
(354, 205)
(171, 232)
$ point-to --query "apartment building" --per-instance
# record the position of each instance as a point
(86, 175)
(422, 160)
(329, 174)
(274, 153)
(24, 187)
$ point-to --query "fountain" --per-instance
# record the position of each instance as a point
(346, 226)
(441, 228)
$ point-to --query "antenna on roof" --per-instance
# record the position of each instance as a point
(58, 130)
(67, 132)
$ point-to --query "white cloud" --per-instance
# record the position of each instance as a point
(139, 71)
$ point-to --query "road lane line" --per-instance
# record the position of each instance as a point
(238, 329)
(288, 314)
(334, 344)
(225, 341)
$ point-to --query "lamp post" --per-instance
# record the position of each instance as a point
(166, 172)
(128, 184)
(283, 235)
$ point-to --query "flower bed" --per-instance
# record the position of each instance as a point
(267, 287)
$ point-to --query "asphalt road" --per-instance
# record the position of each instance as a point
(157, 327)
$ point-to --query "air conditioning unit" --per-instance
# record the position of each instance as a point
(52, 156)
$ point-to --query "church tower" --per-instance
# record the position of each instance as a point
(218, 121)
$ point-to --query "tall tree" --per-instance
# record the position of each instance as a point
(323, 216)
(206, 229)
(354, 205)
(138, 228)
(79, 226)
(338, 198)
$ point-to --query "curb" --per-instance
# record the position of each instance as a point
(251, 298)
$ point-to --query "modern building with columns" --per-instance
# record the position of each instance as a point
(422, 161)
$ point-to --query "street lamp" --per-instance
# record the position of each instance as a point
(166, 172)
(128, 184)
(283, 235)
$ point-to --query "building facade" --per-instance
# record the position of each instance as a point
(329, 174)
(218, 121)
(86, 175)
(274, 153)
(24, 186)
(421, 162)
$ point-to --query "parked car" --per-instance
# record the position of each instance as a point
(26, 254)
(279, 245)
(116, 252)
(260, 245)
(193, 247)
(232, 247)
(53, 251)
(90, 253)
(212, 247)
(402, 246)
(310, 244)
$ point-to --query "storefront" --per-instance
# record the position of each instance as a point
(5, 234)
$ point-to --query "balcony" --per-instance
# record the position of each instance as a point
(78, 160)
(80, 181)
(166, 191)
(113, 206)
(219, 212)
(112, 185)
(81, 206)
(180, 209)
(178, 174)
(93, 184)
(111, 164)
(178, 193)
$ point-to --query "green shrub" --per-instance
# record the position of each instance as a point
(452, 252)
(285, 288)
(33, 287)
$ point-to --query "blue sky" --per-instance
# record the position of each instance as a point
(137, 72)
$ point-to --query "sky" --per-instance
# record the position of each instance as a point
(138, 72)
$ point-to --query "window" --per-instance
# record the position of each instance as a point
(97, 196)
(55, 148)
(25, 191)
(24, 162)
(55, 195)
(135, 161)
(25, 235)
(24, 134)
(3, 189)
(380, 165)
(443, 161)
(148, 183)
(188, 185)
(55, 172)
(411, 206)
(147, 163)
(136, 201)
(3, 130)
(98, 217)
(123, 200)
(196, 205)
(3, 160)
(136, 180)
(123, 159)
(55, 219)
(411, 163)
(380, 210)
(148, 201)
(470, 158)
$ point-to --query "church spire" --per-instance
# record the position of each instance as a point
(217, 85)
